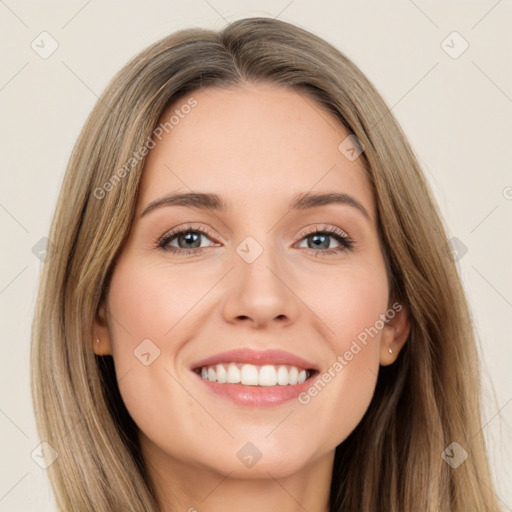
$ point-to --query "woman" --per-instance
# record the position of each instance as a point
(251, 304)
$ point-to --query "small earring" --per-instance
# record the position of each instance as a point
(390, 351)
(97, 340)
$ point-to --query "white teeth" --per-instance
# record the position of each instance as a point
(267, 376)
(222, 375)
(252, 375)
(233, 374)
(249, 375)
(282, 376)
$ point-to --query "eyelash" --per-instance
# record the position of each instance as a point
(346, 243)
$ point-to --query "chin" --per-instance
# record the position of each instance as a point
(259, 458)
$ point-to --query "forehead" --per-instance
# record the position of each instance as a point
(259, 143)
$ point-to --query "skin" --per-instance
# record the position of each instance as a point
(257, 146)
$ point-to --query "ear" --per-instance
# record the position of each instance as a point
(101, 344)
(394, 333)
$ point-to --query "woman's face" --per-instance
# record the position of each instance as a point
(273, 270)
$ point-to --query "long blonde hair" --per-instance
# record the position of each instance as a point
(425, 401)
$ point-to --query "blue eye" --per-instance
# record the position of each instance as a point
(320, 239)
(188, 241)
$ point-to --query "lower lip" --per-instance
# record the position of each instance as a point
(259, 396)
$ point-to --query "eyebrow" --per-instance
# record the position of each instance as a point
(214, 202)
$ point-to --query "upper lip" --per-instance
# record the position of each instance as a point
(256, 357)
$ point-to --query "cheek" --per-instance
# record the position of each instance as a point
(142, 311)
(148, 305)
(147, 301)
(349, 304)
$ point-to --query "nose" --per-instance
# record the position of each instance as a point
(260, 293)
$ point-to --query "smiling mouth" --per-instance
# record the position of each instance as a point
(255, 375)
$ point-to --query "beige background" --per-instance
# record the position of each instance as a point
(456, 112)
